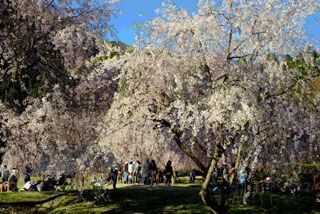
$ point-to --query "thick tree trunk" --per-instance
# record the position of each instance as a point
(206, 193)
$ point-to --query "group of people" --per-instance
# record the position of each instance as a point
(9, 179)
(148, 173)
(152, 174)
(132, 172)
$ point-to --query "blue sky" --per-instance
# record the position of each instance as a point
(138, 11)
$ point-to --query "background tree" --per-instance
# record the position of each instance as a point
(40, 40)
(215, 85)
(57, 134)
(230, 84)
(44, 47)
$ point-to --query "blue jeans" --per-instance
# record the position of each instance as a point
(126, 177)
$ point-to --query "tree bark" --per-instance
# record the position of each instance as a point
(206, 193)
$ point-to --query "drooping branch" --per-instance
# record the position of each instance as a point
(177, 138)
(239, 152)
(189, 152)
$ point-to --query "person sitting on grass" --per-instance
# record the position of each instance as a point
(94, 181)
(48, 184)
(13, 180)
(26, 174)
(40, 186)
(33, 187)
(62, 182)
(5, 178)
(27, 185)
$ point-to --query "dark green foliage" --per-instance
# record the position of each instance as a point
(306, 171)
(302, 67)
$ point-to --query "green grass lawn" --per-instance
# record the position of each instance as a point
(141, 199)
(17, 197)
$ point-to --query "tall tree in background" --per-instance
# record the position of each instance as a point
(216, 86)
(3, 130)
(57, 134)
(40, 40)
(44, 48)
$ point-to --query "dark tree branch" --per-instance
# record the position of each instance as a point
(177, 137)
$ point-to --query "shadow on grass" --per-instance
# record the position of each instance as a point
(187, 200)
(131, 199)
(161, 199)
(277, 203)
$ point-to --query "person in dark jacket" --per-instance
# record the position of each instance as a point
(13, 181)
(146, 172)
(154, 172)
(168, 172)
(26, 173)
(114, 177)
(192, 176)
(5, 174)
(138, 172)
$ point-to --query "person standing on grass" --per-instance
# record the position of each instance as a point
(126, 173)
(146, 172)
(108, 175)
(192, 176)
(153, 171)
(130, 171)
(160, 174)
(114, 177)
(168, 172)
(137, 172)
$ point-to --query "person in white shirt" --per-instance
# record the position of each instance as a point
(130, 171)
